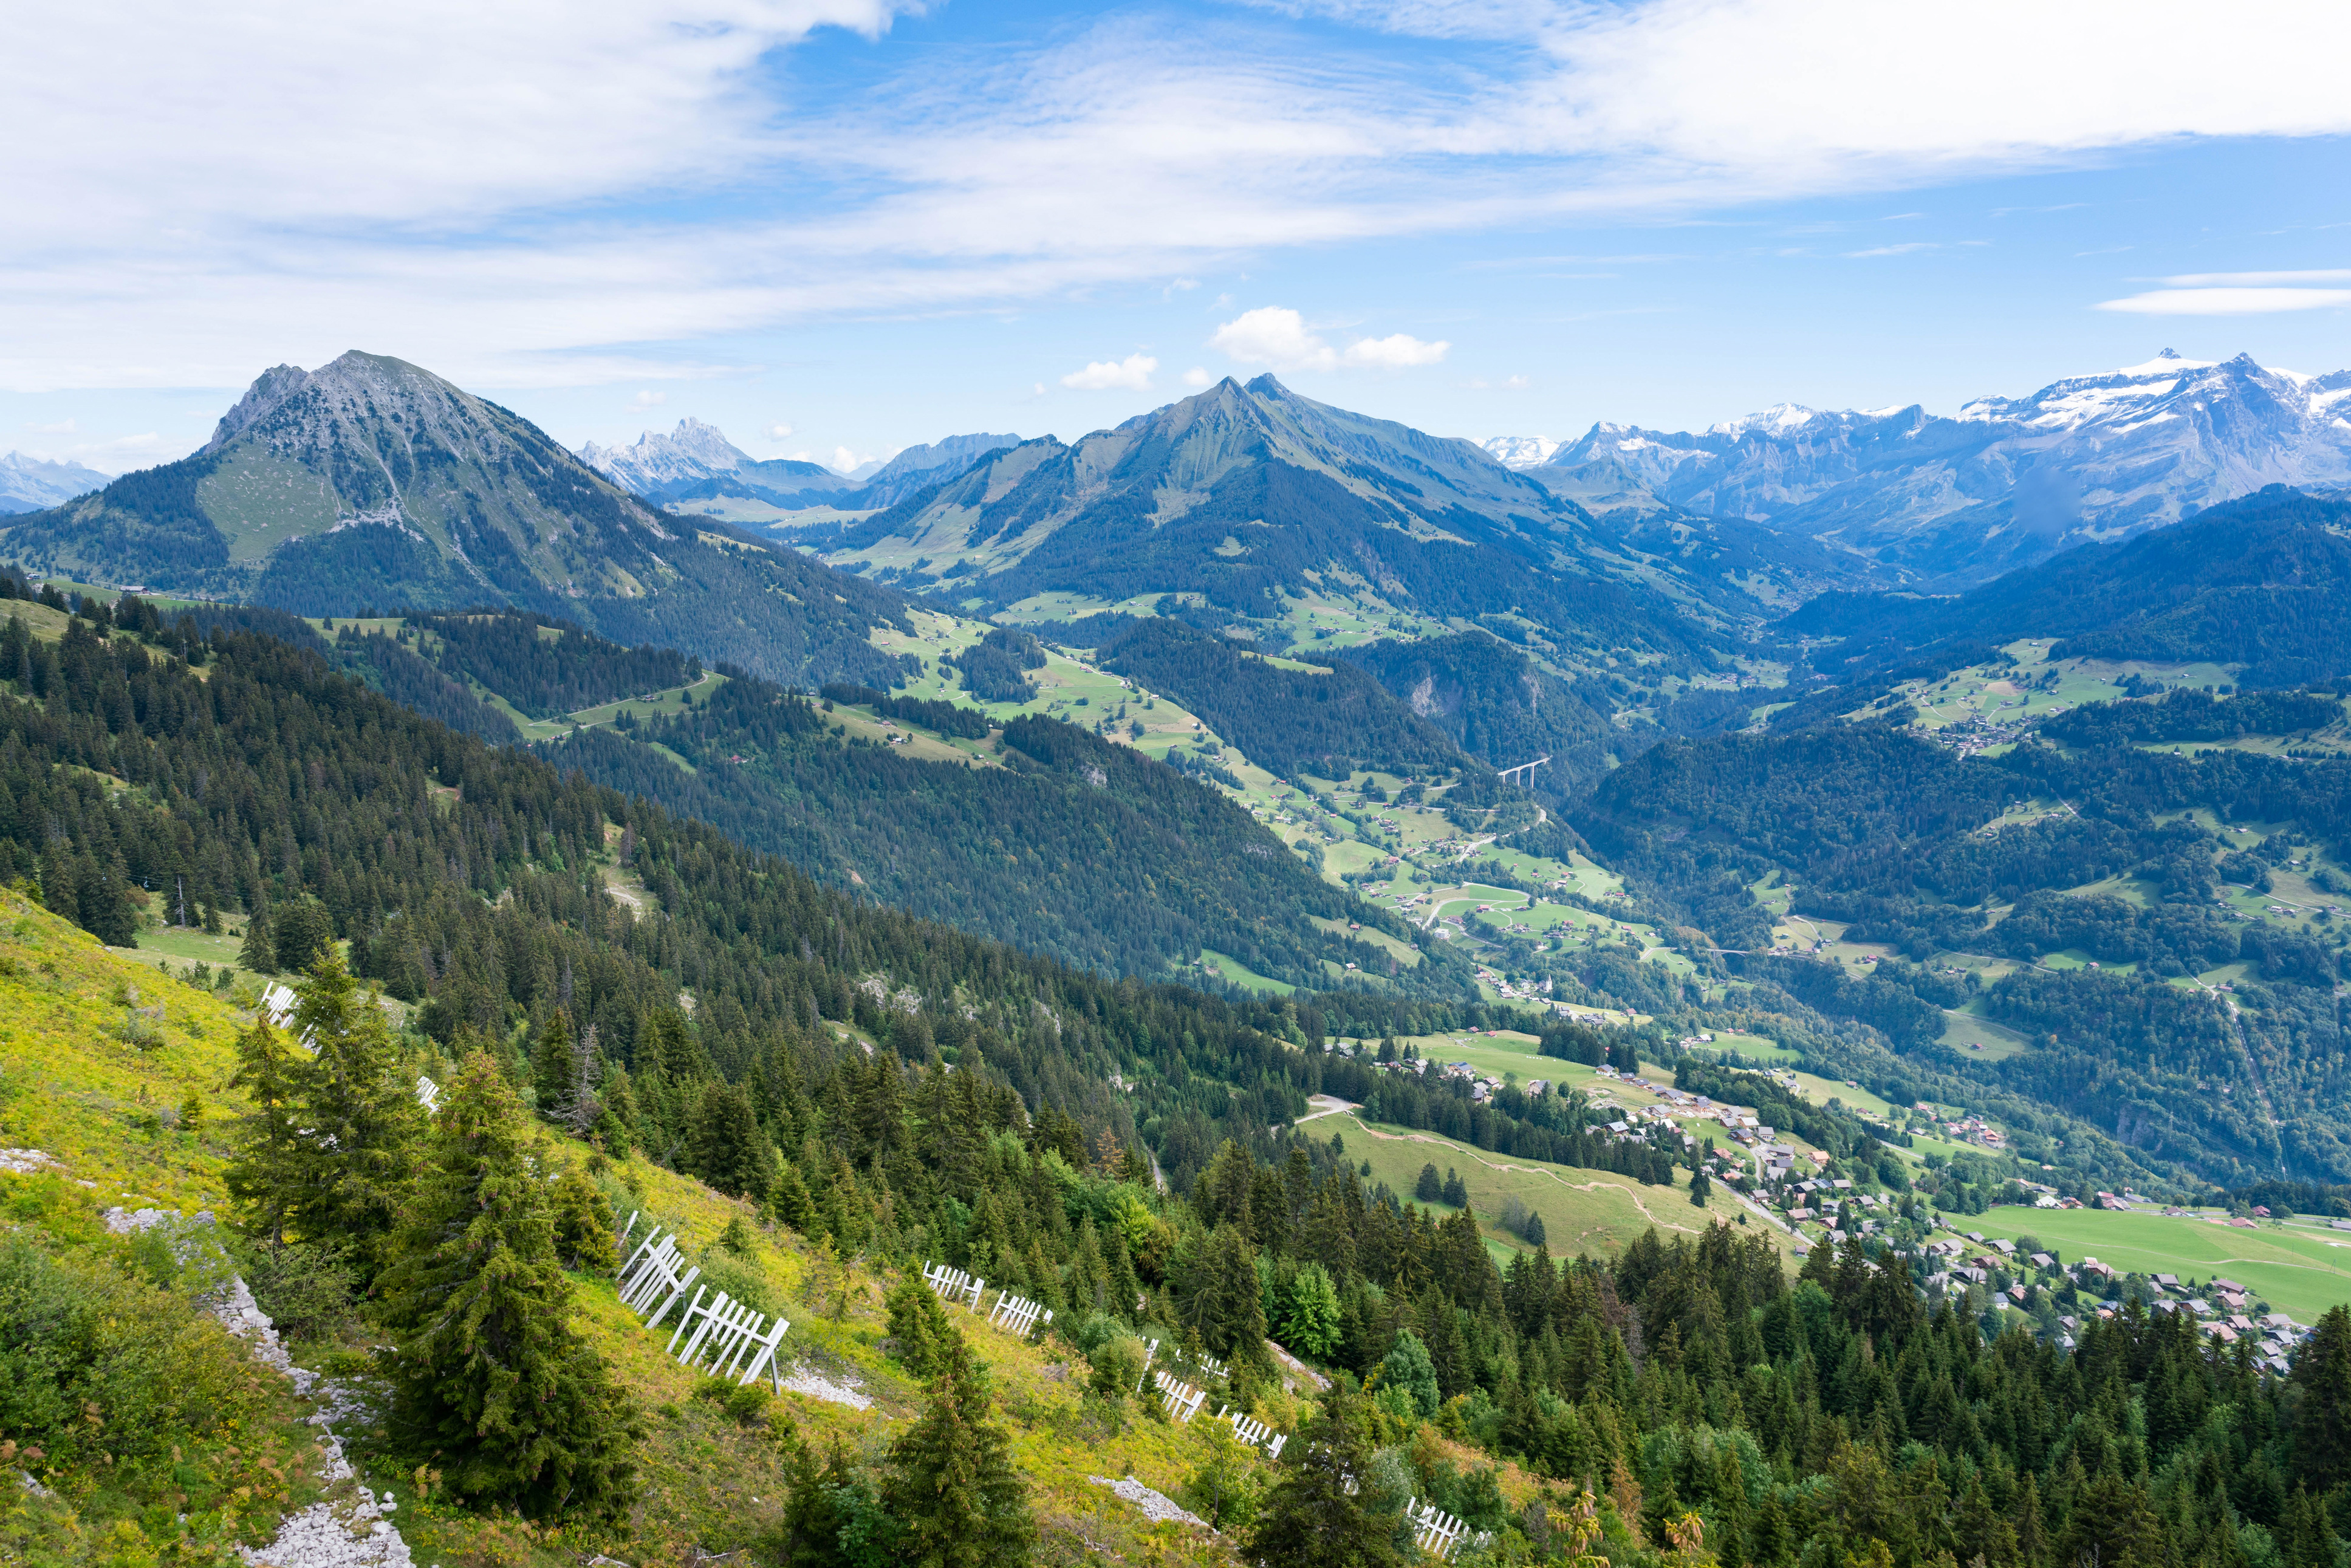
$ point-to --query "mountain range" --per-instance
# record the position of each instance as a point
(696, 463)
(1950, 500)
(29, 484)
(1249, 504)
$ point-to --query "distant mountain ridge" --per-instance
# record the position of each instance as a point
(1954, 500)
(29, 484)
(371, 483)
(1242, 499)
(697, 462)
(2262, 582)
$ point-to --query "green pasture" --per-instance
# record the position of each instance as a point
(2299, 1269)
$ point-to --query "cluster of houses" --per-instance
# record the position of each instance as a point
(2223, 1308)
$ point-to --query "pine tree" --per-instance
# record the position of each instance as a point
(1429, 1188)
(1324, 1511)
(1456, 1191)
(259, 954)
(272, 1159)
(1700, 1185)
(362, 1121)
(488, 1374)
(950, 1483)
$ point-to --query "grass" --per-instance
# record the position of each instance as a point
(1234, 972)
(2298, 1269)
(104, 1108)
(1595, 1212)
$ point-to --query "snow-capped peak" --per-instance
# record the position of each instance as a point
(2167, 362)
(1780, 416)
(1519, 450)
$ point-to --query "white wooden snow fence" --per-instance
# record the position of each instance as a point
(1017, 1314)
(1436, 1532)
(739, 1342)
(1255, 1433)
(1182, 1400)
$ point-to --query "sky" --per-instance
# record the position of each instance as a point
(836, 227)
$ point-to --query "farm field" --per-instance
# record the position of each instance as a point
(2299, 1269)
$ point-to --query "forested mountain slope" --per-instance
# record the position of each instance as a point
(1035, 832)
(372, 483)
(1062, 843)
(2263, 582)
(2128, 868)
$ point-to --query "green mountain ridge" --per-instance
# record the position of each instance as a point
(373, 484)
(1244, 498)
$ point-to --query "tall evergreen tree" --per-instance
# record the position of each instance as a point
(259, 953)
(950, 1483)
(552, 1067)
(269, 1166)
(490, 1381)
(361, 1120)
(1324, 1512)
(2322, 1423)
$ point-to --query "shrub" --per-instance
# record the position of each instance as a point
(1117, 1366)
(95, 1360)
(307, 1292)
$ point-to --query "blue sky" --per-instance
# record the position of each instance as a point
(834, 227)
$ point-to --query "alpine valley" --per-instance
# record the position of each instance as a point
(1256, 986)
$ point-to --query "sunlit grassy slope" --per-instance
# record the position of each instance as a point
(98, 1053)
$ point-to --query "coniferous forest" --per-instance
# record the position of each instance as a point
(891, 1089)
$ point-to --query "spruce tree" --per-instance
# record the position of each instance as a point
(1429, 1188)
(490, 1381)
(950, 1483)
(2322, 1423)
(259, 953)
(362, 1119)
(272, 1157)
(1325, 1513)
(552, 1067)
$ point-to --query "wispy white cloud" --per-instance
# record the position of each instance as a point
(778, 432)
(1131, 374)
(649, 399)
(1196, 377)
(1904, 249)
(2256, 279)
(1280, 338)
(2229, 301)
(532, 194)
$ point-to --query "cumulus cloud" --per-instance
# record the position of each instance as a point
(778, 432)
(1198, 376)
(1279, 337)
(650, 399)
(1397, 351)
(2228, 301)
(1131, 374)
